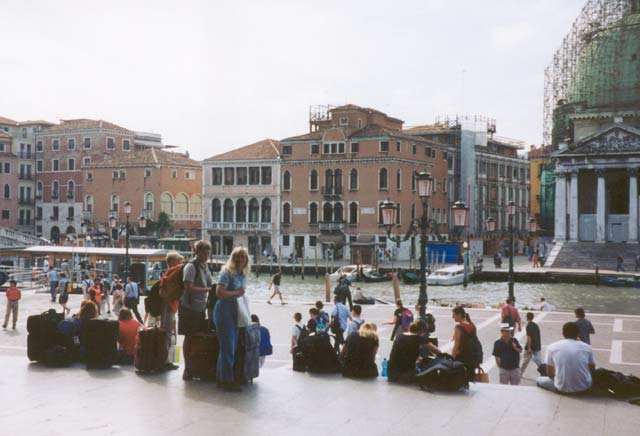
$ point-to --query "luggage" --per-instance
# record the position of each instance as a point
(320, 355)
(616, 384)
(67, 335)
(57, 356)
(153, 301)
(42, 333)
(203, 356)
(443, 373)
(246, 364)
(101, 341)
(299, 361)
(151, 350)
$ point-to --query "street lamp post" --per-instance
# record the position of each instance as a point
(511, 211)
(460, 211)
(113, 223)
(389, 211)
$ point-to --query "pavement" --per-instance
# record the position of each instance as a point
(41, 401)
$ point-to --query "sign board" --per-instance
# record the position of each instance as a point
(368, 211)
(299, 211)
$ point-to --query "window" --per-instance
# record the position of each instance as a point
(398, 218)
(285, 240)
(123, 174)
(24, 132)
(315, 148)
(313, 241)
(86, 160)
(313, 213)
(89, 176)
(55, 145)
(126, 145)
(338, 213)
(414, 149)
(115, 174)
(216, 176)
(70, 189)
(382, 179)
(341, 148)
(86, 143)
(71, 164)
(359, 124)
(266, 211)
(327, 213)
(326, 148)
(39, 190)
(115, 202)
(216, 210)
(254, 211)
(241, 176)
(398, 146)
(286, 150)
(71, 143)
(88, 203)
(188, 175)
(228, 211)
(413, 182)
(433, 153)
(147, 172)
(7, 168)
(313, 180)
(353, 213)
(353, 180)
(344, 121)
(384, 146)
(398, 179)
(71, 212)
(427, 151)
(445, 156)
(286, 213)
(2, 148)
(38, 213)
(355, 147)
(55, 212)
(39, 167)
(266, 175)
(6, 214)
(444, 185)
(111, 144)
(254, 175)
(39, 146)
(55, 188)
(334, 148)
(286, 181)
(7, 191)
(55, 165)
(174, 174)
(241, 211)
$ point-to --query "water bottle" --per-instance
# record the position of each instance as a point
(385, 363)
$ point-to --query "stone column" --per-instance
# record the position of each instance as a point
(633, 206)
(573, 206)
(601, 217)
(560, 212)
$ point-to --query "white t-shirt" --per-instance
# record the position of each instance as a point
(295, 331)
(571, 360)
(545, 307)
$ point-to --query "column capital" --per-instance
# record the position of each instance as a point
(574, 171)
(600, 172)
(633, 172)
(561, 174)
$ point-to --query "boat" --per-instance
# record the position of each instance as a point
(351, 271)
(627, 282)
(409, 277)
(451, 275)
(376, 277)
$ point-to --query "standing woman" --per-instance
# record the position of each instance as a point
(464, 336)
(231, 288)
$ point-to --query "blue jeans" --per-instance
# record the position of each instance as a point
(225, 317)
(53, 286)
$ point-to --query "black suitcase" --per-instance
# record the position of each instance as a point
(42, 333)
(320, 355)
(299, 361)
(246, 364)
(57, 356)
(443, 373)
(101, 339)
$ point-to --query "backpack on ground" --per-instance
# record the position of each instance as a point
(247, 358)
(406, 318)
(616, 384)
(153, 301)
(172, 285)
(442, 373)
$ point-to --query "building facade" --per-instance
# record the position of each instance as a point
(241, 198)
(8, 182)
(541, 169)
(335, 177)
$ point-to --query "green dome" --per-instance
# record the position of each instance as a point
(608, 70)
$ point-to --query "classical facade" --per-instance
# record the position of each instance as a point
(241, 198)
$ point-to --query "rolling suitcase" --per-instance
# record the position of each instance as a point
(57, 356)
(101, 338)
(42, 333)
(247, 360)
(67, 335)
(151, 350)
(443, 373)
(203, 356)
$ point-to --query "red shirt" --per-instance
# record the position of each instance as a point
(13, 294)
(127, 336)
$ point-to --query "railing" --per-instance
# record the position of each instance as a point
(332, 190)
(70, 218)
(185, 217)
(87, 215)
(25, 176)
(20, 237)
(240, 227)
(331, 226)
(25, 155)
(70, 195)
(24, 222)
(25, 200)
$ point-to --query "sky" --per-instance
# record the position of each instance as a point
(211, 76)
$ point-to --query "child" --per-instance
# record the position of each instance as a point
(266, 349)
(13, 296)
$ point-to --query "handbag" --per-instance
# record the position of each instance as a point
(244, 316)
(481, 376)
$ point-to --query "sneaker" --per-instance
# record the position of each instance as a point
(170, 366)
(269, 302)
(4, 326)
(186, 376)
(13, 328)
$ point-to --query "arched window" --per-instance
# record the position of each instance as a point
(148, 202)
(266, 211)
(55, 234)
(338, 213)
(337, 180)
(228, 211)
(254, 210)
(195, 205)
(286, 181)
(353, 213)
(166, 203)
(353, 179)
(216, 210)
(88, 203)
(286, 213)
(328, 181)
(70, 189)
(7, 191)
(313, 213)
(313, 180)
(398, 179)
(327, 213)
(55, 189)
(115, 202)
(71, 230)
(241, 211)
(382, 179)
(182, 204)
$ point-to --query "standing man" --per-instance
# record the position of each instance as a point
(619, 263)
(193, 304)
(168, 284)
(275, 282)
(52, 276)
(533, 345)
(584, 326)
(131, 295)
(510, 315)
(13, 297)
(507, 351)
(339, 319)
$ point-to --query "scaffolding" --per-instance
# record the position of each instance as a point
(572, 61)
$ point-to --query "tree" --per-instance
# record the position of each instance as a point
(163, 224)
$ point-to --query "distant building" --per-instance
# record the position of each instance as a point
(9, 182)
(241, 198)
(542, 182)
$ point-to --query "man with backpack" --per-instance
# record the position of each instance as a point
(298, 330)
(356, 321)
(510, 315)
(402, 319)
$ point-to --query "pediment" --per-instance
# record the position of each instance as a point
(610, 140)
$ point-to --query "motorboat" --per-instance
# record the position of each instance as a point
(409, 277)
(351, 271)
(376, 276)
(451, 275)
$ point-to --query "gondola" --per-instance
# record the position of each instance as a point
(627, 282)
(376, 277)
(409, 277)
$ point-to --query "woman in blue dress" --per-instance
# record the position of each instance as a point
(231, 287)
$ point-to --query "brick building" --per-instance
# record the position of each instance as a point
(8, 182)
(335, 177)
(241, 194)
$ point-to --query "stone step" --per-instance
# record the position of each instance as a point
(588, 254)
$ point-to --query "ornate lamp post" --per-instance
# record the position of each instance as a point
(460, 211)
(532, 225)
(113, 222)
(511, 211)
(389, 212)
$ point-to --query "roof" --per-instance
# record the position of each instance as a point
(84, 124)
(94, 251)
(312, 136)
(265, 149)
(149, 156)
(540, 152)
(426, 128)
(32, 122)
(4, 134)
(365, 109)
(374, 130)
(4, 120)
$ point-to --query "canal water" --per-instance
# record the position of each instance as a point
(565, 297)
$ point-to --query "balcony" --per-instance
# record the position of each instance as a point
(25, 222)
(332, 191)
(239, 227)
(54, 218)
(70, 195)
(185, 217)
(38, 195)
(331, 226)
(87, 215)
(25, 155)
(70, 218)
(25, 176)
(54, 196)
(25, 200)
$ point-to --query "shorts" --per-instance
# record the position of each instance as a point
(190, 321)
(276, 289)
(63, 298)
